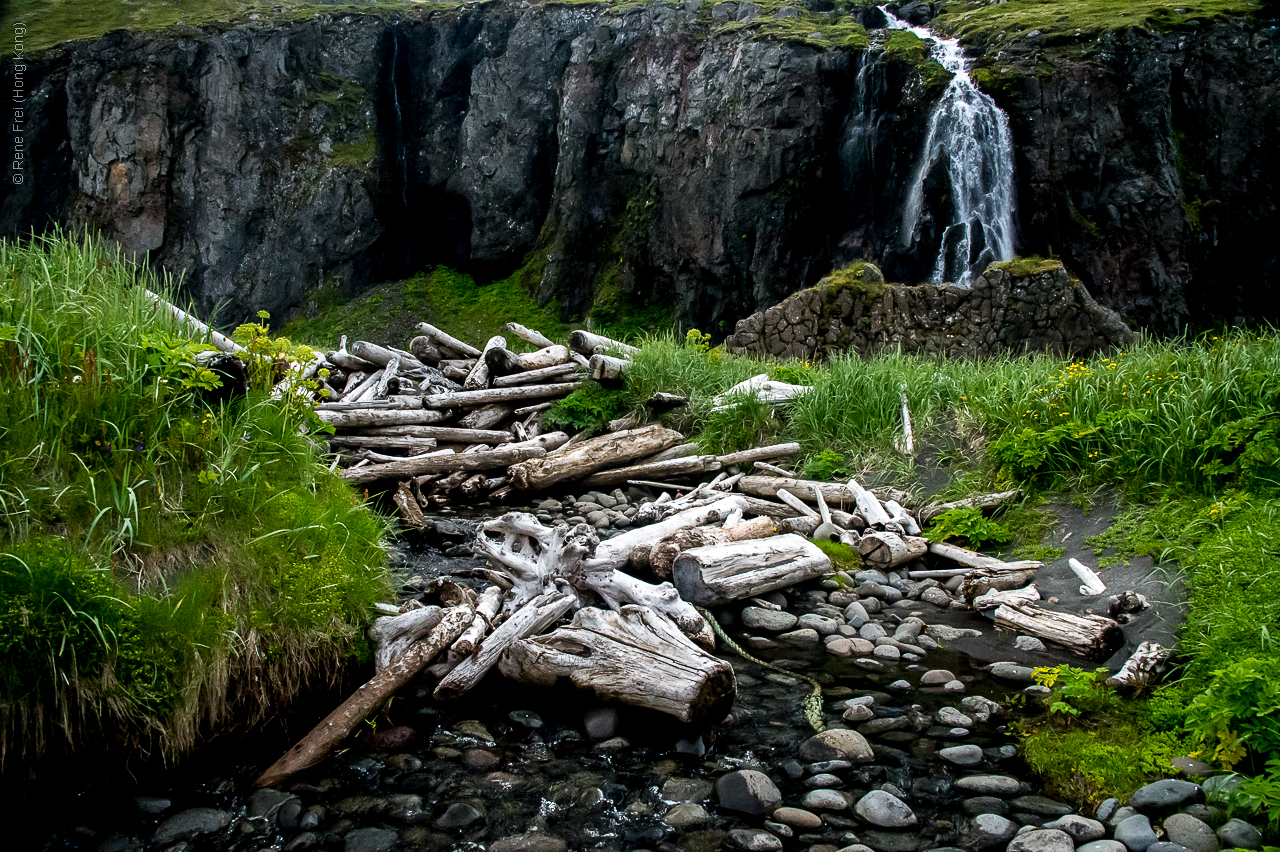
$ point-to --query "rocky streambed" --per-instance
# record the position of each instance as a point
(916, 755)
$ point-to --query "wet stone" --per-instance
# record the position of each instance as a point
(885, 810)
(473, 729)
(191, 823)
(803, 637)
(828, 766)
(783, 831)
(1238, 834)
(989, 785)
(936, 677)
(1042, 840)
(601, 723)
(1135, 833)
(152, 804)
(458, 815)
(755, 840)
(526, 719)
(1102, 846)
(759, 618)
(1041, 805)
(686, 814)
(825, 800)
(1166, 795)
(531, 842)
(478, 758)
(686, 790)
(1107, 808)
(747, 791)
(962, 755)
(953, 718)
(1013, 672)
(985, 805)
(822, 625)
(823, 779)
(797, 818)
(1186, 830)
(1082, 829)
(836, 745)
(1119, 815)
(840, 647)
(891, 841)
(858, 713)
(370, 840)
(1028, 643)
(989, 830)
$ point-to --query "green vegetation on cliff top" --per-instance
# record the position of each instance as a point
(169, 561)
(1076, 21)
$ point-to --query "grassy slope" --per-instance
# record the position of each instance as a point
(166, 563)
(1188, 430)
(1076, 21)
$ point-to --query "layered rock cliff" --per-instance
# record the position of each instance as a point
(714, 159)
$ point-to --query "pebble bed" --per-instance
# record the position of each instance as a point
(915, 756)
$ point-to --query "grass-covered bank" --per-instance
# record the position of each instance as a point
(168, 563)
(1186, 430)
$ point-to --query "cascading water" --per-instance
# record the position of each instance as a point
(973, 134)
(399, 121)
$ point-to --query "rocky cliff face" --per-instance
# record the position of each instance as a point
(664, 153)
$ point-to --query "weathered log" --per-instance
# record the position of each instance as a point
(589, 344)
(574, 461)
(760, 388)
(885, 550)
(354, 380)
(486, 611)
(500, 361)
(1141, 668)
(490, 396)
(607, 367)
(531, 619)
(372, 417)
(679, 451)
(674, 467)
(389, 373)
(992, 598)
(393, 635)
(486, 417)
(382, 356)
(397, 403)
(1091, 584)
(407, 504)
(549, 356)
(529, 335)
(772, 470)
(869, 505)
(546, 374)
(446, 341)
(633, 656)
(489, 460)
(220, 341)
(970, 559)
(902, 517)
(980, 582)
(908, 442)
(715, 575)
(1090, 636)
(364, 389)
(985, 502)
(774, 451)
(795, 502)
(662, 555)
(384, 442)
(339, 724)
(665, 401)
(479, 375)
(536, 408)
(424, 350)
(453, 434)
(836, 495)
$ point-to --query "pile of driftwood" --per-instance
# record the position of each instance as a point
(445, 418)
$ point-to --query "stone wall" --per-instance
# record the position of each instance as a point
(1017, 306)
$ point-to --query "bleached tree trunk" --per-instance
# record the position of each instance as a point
(479, 375)
(869, 505)
(558, 372)
(371, 417)
(774, 451)
(714, 575)
(339, 724)
(835, 494)
(529, 335)
(662, 555)
(486, 612)
(448, 434)
(446, 341)
(968, 560)
(393, 635)
(409, 468)
(675, 467)
(486, 417)
(602, 367)
(632, 656)
(992, 598)
(490, 396)
(1090, 636)
(575, 461)
(1141, 668)
(886, 550)
(978, 501)
(589, 344)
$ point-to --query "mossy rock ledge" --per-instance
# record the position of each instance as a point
(1020, 305)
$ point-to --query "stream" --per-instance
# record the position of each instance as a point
(512, 767)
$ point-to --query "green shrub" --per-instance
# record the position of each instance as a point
(826, 465)
(1239, 714)
(590, 407)
(970, 526)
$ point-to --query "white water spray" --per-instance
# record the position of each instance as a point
(973, 133)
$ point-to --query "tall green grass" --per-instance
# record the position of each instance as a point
(167, 564)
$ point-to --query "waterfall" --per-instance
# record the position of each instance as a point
(398, 130)
(973, 133)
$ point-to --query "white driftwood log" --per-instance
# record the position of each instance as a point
(869, 505)
(575, 461)
(1089, 636)
(1091, 583)
(986, 502)
(529, 335)
(969, 559)
(633, 656)
(615, 552)
(382, 356)
(674, 467)
(761, 388)
(557, 372)
(487, 416)
(383, 442)
(1141, 668)
(479, 375)
(447, 341)
(979, 582)
(908, 443)
(441, 464)
(491, 396)
(885, 550)
(447, 434)
(796, 503)
(531, 619)
(589, 344)
(837, 496)
(902, 517)
(714, 575)
(486, 612)
(992, 598)
(221, 341)
(662, 555)
(773, 451)
(603, 367)
(392, 635)
(371, 417)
